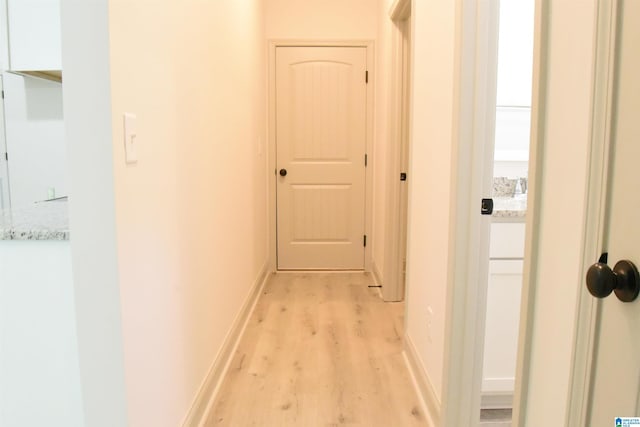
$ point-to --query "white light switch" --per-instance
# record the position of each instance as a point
(130, 138)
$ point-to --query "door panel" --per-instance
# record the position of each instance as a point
(321, 140)
(616, 383)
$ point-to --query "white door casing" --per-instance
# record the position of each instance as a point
(321, 132)
(476, 89)
(5, 202)
(398, 153)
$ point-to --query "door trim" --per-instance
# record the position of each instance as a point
(589, 308)
(463, 344)
(532, 237)
(5, 189)
(271, 125)
(477, 30)
(393, 288)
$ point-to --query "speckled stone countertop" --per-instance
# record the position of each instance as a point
(42, 221)
(509, 207)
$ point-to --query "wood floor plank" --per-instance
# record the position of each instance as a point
(321, 349)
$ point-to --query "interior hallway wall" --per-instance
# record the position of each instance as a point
(321, 19)
(177, 240)
(191, 215)
(381, 142)
(434, 36)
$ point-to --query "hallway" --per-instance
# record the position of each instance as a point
(320, 349)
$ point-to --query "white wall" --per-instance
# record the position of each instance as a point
(87, 112)
(4, 64)
(191, 215)
(515, 67)
(321, 19)
(381, 138)
(39, 371)
(515, 58)
(35, 139)
(429, 194)
(558, 271)
(4, 37)
(183, 233)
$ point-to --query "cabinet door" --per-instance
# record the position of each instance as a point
(501, 333)
(507, 240)
(34, 35)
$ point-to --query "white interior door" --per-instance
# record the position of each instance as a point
(616, 372)
(321, 141)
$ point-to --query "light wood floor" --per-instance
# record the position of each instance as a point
(321, 349)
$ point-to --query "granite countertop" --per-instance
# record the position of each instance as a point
(509, 207)
(41, 221)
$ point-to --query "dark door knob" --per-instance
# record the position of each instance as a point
(283, 172)
(624, 280)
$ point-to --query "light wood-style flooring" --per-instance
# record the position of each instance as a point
(321, 349)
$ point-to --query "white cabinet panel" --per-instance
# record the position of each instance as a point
(34, 35)
(507, 240)
(501, 333)
(39, 370)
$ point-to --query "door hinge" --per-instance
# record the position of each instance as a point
(3, 94)
(365, 241)
(366, 76)
(366, 160)
(6, 156)
(403, 176)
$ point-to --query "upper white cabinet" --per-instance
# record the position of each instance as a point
(34, 35)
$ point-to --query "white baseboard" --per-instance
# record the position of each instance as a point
(375, 271)
(496, 400)
(201, 406)
(497, 393)
(431, 405)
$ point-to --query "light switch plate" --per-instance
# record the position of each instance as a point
(130, 138)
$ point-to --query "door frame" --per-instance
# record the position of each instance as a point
(589, 308)
(5, 189)
(469, 233)
(466, 305)
(400, 116)
(271, 132)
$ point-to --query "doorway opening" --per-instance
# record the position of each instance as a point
(509, 193)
